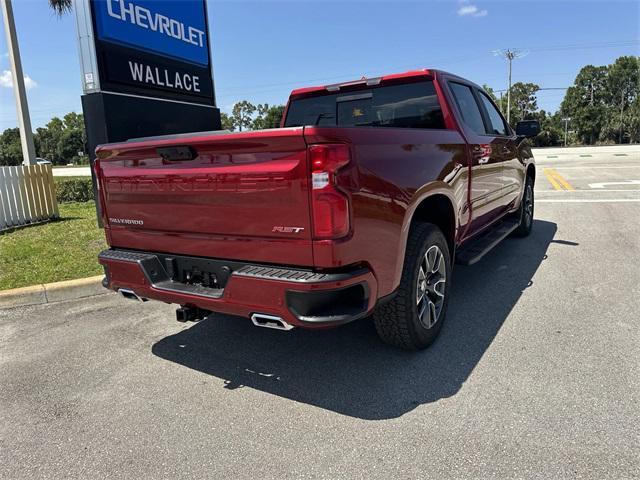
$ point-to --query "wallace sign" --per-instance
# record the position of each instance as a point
(158, 76)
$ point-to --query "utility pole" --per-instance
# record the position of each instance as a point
(22, 109)
(621, 115)
(566, 128)
(509, 55)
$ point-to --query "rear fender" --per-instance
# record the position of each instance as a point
(429, 190)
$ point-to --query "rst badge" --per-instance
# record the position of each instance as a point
(279, 229)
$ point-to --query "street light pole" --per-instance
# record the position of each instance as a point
(22, 109)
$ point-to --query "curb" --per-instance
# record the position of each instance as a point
(52, 292)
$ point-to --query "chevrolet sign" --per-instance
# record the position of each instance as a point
(176, 29)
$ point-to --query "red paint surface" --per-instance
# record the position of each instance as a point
(226, 202)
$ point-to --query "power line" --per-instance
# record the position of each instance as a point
(350, 76)
(447, 61)
(578, 46)
(540, 89)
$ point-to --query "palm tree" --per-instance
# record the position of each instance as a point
(61, 6)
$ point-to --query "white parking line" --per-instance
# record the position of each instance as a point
(604, 184)
(588, 200)
(578, 190)
(588, 167)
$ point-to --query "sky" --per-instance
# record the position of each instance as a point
(262, 50)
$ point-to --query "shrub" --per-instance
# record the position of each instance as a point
(74, 189)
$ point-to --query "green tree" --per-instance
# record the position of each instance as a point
(10, 147)
(268, 116)
(524, 103)
(73, 139)
(227, 122)
(74, 121)
(55, 128)
(71, 142)
(634, 121)
(59, 141)
(45, 143)
(586, 103)
(623, 85)
(242, 114)
(551, 130)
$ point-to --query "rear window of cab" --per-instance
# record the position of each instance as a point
(412, 105)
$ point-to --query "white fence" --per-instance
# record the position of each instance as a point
(27, 195)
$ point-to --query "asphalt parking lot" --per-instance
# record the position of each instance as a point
(536, 373)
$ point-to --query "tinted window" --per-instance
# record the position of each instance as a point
(498, 126)
(468, 107)
(413, 105)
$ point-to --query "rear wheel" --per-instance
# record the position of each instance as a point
(525, 212)
(413, 318)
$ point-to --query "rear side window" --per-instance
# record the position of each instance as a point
(413, 105)
(468, 107)
(498, 125)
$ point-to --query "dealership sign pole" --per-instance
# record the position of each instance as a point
(22, 109)
(146, 69)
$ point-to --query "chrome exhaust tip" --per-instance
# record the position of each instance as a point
(270, 321)
(131, 295)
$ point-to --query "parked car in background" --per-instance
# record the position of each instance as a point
(358, 206)
(42, 161)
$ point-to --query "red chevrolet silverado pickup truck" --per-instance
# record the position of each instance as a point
(359, 205)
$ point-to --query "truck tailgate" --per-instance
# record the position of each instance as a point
(246, 189)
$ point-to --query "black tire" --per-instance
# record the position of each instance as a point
(398, 322)
(525, 212)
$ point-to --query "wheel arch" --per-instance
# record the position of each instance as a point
(438, 210)
(437, 206)
(531, 172)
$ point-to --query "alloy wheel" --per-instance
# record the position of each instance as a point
(430, 288)
(528, 206)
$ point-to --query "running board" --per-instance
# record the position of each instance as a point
(479, 247)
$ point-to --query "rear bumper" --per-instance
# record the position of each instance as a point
(300, 297)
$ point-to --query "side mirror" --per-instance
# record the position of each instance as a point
(528, 128)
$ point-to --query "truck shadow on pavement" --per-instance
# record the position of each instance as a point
(348, 370)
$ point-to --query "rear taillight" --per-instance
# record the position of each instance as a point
(99, 199)
(329, 205)
(96, 171)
